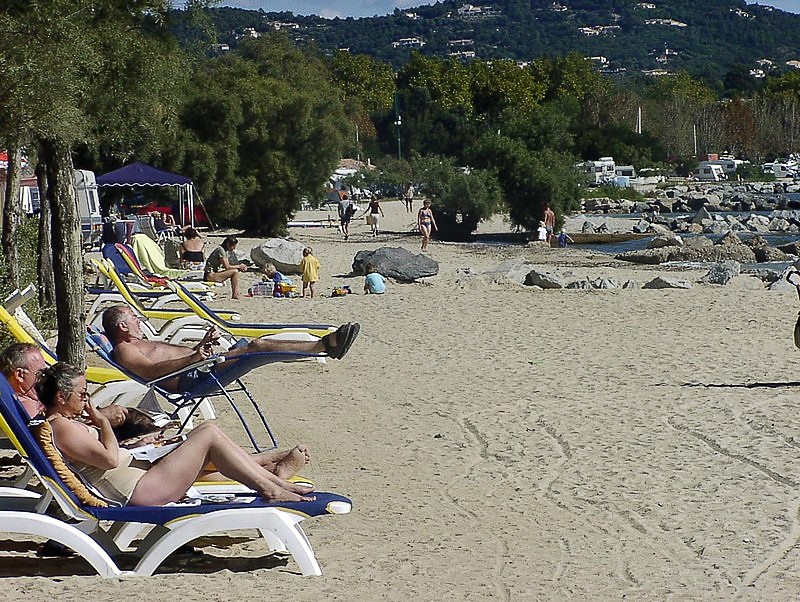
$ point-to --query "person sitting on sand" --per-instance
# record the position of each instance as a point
(219, 268)
(153, 359)
(94, 452)
(374, 282)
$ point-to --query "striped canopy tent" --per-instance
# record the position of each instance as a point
(139, 174)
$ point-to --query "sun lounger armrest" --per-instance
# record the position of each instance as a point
(206, 363)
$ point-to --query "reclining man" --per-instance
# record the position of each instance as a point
(20, 364)
(151, 360)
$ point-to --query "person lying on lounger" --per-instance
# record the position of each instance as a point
(93, 451)
(20, 363)
(151, 360)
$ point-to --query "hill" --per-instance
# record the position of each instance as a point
(706, 39)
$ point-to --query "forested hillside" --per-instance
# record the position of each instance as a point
(706, 39)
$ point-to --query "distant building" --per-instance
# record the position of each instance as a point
(462, 54)
(668, 22)
(463, 42)
(409, 43)
(655, 72)
(557, 8)
(742, 13)
(644, 6)
(598, 29)
(794, 64)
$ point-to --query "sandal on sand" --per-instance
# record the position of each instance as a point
(345, 336)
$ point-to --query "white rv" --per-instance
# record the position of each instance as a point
(601, 171)
(709, 171)
(88, 204)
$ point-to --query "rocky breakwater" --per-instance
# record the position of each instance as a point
(714, 197)
(671, 247)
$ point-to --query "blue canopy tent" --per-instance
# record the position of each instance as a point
(139, 174)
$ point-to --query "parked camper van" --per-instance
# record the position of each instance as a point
(29, 199)
(88, 205)
(709, 171)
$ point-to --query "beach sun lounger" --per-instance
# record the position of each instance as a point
(97, 532)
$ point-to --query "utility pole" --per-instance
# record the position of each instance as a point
(398, 122)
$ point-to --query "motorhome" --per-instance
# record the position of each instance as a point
(781, 169)
(599, 172)
(88, 205)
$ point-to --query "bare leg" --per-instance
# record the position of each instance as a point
(170, 478)
(235, 285)
(311, 288)
(285, 463)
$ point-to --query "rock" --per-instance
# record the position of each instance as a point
(641, 226)
(396, 263)
(764, 274)
(792, 248)
(514, 270)
(588, 228)
(546, 280)
(584, 285)
(630, 284)
(722, 273)
(666, 282)
(756, 241)
(284, 253)
(702, 216)
(768, 254)
(730, 239)
(669, 240)
(605, 283)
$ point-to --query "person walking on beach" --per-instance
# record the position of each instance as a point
(310, 267)
(346, 210)
(549, 221)
(426, 223)
(408, 198)
(375, 213)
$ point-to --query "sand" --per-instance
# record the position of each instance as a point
(501, 442)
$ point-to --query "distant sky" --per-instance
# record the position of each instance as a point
(369, 8)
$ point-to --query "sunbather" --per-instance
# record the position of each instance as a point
(20, 363)
(151, 360)
(94, 452)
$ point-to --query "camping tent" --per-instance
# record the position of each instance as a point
(139, 174)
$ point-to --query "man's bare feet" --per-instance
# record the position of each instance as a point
(293, 462)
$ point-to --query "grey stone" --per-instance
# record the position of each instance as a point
(396, 263)
(584, 285)
(546, 280)
(515, 270)
(667, 240)
(630, 285)
(667, 282)
(285, 254)
(722, 273)
(702, 216)
(605, 283)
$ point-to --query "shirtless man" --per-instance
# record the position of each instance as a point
(549, 221)
(20, 364)
(153, 359)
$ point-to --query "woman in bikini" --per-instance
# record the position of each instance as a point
(426, 223)
(92, 450)
(192, 257)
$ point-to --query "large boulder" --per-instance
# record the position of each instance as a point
(722, 273)
(514, 270)
(547, 280)
(667, 282)
(283, 253)
(396, 263)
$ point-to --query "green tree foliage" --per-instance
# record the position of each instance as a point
(262, 129)
(461, 198)
(361, 76)
(530, 178)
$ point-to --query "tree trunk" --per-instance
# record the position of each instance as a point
(67, 260)
(12, 215)
(44, 259)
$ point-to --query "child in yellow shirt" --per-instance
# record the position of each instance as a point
(310, 267)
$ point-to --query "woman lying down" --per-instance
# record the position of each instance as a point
(92, 450)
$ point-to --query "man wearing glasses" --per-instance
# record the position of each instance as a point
(20, 364)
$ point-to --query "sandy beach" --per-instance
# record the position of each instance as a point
(507, 443)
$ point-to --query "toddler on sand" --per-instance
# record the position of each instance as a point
(374, 282)
(310, 267)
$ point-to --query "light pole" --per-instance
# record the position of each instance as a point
(398, 122)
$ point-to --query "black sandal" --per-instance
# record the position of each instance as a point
(345, 336)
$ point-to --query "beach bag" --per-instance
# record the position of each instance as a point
(369, 219)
